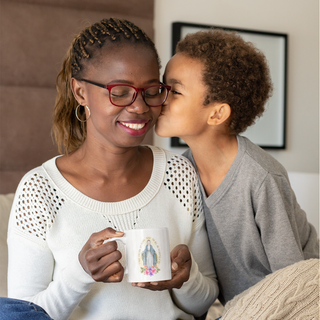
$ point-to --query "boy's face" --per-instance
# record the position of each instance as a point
(183, 114)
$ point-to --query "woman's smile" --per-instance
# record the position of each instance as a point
(135, 127)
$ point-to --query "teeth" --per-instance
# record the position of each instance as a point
(134, 126)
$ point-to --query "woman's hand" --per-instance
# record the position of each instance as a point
(101, 260)
(180, 269)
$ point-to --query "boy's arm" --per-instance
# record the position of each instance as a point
(285, 232)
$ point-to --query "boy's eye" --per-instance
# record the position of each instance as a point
(175, 92)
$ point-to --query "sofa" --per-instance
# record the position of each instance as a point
(5, 206)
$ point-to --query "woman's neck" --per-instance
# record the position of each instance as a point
(109, 161)
(108, 175)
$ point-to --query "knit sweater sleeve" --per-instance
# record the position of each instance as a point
(200, 291)
(34, 279)
(286, 235)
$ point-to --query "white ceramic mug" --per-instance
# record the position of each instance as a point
(147, 254)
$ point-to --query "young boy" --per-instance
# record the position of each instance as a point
(220, 84)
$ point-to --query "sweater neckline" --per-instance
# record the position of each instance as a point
(216, 195)
(132, 204)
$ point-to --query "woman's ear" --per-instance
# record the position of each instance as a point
(78, 91)
(220, 112)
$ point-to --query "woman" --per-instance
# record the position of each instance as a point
(109, 97)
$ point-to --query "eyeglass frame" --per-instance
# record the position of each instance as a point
(110, 86)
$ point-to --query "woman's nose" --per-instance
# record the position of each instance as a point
(138, 106)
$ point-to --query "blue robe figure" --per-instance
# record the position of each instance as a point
(149, 255)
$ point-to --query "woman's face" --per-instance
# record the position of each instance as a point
(183, 114)
(110, 125)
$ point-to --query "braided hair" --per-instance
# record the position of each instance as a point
(67, 131)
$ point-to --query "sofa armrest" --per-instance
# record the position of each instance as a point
(5, 207)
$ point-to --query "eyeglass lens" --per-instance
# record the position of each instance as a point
(124, 95)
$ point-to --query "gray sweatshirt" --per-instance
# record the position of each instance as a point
(254, 223)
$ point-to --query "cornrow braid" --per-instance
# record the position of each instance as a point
(99, 32)
(67, 131)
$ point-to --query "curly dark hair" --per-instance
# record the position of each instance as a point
(235, 72)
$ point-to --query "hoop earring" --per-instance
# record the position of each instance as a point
(76, 112)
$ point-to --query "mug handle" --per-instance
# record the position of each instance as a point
(124, 241)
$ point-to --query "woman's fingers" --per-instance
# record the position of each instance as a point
(180, 268)
(98, 238)
(98, 259)
(113, 273)
(101, 260)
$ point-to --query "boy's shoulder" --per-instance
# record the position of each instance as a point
(188, 154)
(252, 157)
(256, 156)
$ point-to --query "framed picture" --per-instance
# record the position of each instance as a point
(269, 131)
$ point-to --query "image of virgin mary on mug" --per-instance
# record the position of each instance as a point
(150, 260)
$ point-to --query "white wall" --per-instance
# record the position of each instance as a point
(300, 20)
(306, 188)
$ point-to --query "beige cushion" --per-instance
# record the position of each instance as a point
(287, 294)
(5, 207)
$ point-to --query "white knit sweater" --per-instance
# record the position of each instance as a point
(51, 221)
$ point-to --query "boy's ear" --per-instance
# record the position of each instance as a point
(78, 91)
(220, 112)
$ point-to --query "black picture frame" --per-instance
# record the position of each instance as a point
(275, 47)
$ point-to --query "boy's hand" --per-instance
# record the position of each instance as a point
(180, 269)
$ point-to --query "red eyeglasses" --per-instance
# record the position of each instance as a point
(123, 95)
